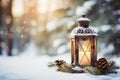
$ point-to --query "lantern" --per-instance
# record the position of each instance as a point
(83, 44)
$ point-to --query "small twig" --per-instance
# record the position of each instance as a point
(51, 64)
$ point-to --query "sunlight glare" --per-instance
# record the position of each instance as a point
(17, 9)
(43, 6)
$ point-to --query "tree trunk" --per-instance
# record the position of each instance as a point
(0, 28)
(8, 21)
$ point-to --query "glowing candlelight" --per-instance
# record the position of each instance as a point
(84, 58)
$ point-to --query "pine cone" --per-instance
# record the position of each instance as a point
(103, 65)
(59, 62)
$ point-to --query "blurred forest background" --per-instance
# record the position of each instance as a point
(48, 23)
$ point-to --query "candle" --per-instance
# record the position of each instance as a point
(84, 58)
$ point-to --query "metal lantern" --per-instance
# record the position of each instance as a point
(83, 44)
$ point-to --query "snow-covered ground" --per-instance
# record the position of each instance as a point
(35, 68)
(31, 67)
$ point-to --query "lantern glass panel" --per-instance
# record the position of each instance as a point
(84, 51)
(72, 49)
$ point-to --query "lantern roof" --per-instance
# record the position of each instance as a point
(81, 31)
(83, 18)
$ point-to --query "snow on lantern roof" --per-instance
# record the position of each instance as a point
(83, 18)
(81, 31)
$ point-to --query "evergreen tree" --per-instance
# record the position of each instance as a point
(108, 11)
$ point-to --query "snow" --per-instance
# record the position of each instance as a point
(105, 28)
(30, 49)
(85, 8)
(57, 42)
(52, 25)
(35, 68)
(83, 19)
(70, 24)
(26, 67)
(96, 29)
(80, 11)
(105, 50)
(117, 28)
(89, 4)
(61, 49)
(77, 31)
(77, 68)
